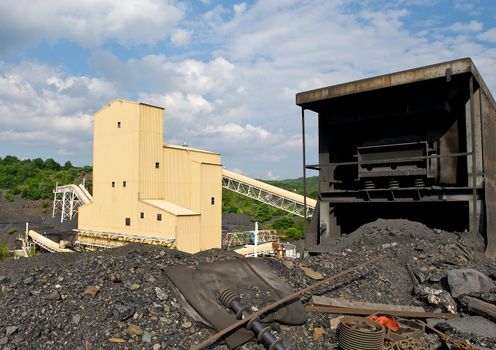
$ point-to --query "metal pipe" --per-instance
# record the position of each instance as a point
(474, 227)
(304, 164)
(304, 180)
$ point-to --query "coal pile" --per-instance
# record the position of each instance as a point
(121, 299)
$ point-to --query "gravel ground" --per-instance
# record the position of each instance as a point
(121, 299)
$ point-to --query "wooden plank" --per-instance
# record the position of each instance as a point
(326, 301)
(357, 311)
(479, 307)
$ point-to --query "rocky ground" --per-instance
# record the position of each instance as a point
(14, 215)
(121, 298)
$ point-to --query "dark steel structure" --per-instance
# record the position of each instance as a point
(418, 144)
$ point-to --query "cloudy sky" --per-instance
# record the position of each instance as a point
(226, 72)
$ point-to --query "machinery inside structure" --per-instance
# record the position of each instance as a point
(417, 145)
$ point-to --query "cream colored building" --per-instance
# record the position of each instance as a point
(145, 190)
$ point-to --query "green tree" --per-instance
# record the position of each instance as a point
(294, 233)
(52, 165)
(38, 163)
(35, 179)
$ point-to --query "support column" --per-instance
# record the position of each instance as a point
(63, 208)
(334, 227)
(475, 216)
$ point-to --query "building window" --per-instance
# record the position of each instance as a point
(157, 165)
(212, 200)
(142, 215)
(128, 221)
(113, 183)
(119, 125)
(123, 183)
(159, 217)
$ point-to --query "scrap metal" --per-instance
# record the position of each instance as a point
(263, 333)
(284, 300)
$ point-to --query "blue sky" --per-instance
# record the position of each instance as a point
(226, 72)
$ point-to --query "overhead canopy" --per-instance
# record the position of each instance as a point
(424, 79)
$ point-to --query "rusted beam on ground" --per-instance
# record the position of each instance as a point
(359, 311)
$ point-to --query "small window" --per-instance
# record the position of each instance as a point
(212, 200)
(113, 183)
(123, 183)
(159, 217)
(142, 215)
(128, 221)
(157, 165)
(119, 125)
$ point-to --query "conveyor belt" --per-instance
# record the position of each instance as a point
(268, 194)
(46, 243)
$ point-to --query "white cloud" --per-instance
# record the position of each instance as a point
(237, 131)
(160, 73)
(181, 37)
(179, 105)
(88, 23)
(489, 35)
(472, 26)
(12, 135)
(41, 105)
(239, 8)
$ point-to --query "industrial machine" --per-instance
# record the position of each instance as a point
(418, 144)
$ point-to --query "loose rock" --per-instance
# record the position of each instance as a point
(134, 330)
(311, 273)
(467, 281)
(91, 291)
(146, 338)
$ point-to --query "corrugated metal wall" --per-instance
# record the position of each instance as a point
(177, 175)
(211, 206)
(115, 160)
(151, 137)
(188, 234)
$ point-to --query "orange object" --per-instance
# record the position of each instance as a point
(387, 321)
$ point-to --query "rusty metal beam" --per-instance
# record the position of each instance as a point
(359, 311)
(455, 67)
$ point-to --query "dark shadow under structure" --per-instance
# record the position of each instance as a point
(418, 144)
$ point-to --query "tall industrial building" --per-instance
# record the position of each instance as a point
(145, 190)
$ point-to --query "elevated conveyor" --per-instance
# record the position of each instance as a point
(68, 197)
(274, 196)
(47, 243)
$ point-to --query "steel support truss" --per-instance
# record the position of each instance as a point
(236, 239)
(267, 197)
(65, 200)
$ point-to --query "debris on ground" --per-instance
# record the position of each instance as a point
(121, 298)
